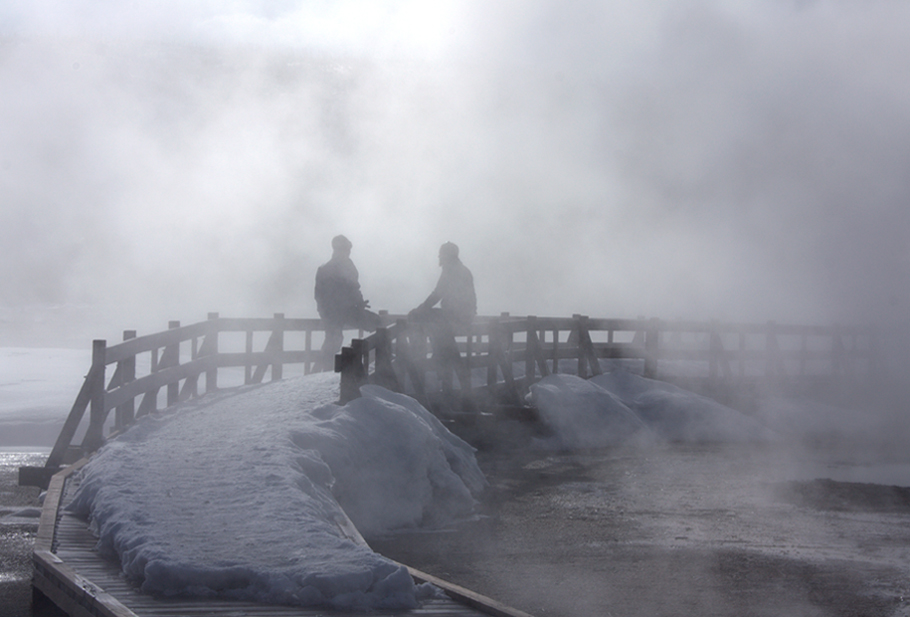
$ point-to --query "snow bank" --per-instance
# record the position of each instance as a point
(395, 465)
(618, 406)
(581, 414)
(238, 495)
(676, 414)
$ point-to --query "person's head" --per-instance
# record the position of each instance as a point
(342, 245)
(448, 253)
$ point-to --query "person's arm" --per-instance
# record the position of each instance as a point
(431, 301)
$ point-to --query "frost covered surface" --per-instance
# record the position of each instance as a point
(677, 414)
(581, 414)
(618, 406)
(394, 463)
(238, 496)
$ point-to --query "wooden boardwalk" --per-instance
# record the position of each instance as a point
(83, 584)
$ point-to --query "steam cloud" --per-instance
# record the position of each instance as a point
(746, 162)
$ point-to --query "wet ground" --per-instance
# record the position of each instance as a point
(681, 530)
(19, 512)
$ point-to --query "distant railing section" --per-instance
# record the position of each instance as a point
(497, 361)
(515, 352)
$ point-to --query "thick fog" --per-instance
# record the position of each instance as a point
(711, 160)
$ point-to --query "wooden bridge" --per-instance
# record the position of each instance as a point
(497, 361)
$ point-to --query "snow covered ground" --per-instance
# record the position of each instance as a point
(241, 495)
(245, 493)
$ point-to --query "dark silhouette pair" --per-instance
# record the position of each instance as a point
(340, 302)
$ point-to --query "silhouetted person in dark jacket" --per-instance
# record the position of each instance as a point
(339, 300)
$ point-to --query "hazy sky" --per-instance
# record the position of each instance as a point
(708, 160)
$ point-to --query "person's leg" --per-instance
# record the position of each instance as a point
(334, 337)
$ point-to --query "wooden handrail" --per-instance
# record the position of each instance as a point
(171, 371)
(770, 349)
(396, 356)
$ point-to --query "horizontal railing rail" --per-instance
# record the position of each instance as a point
(173, 365)
(535, 347)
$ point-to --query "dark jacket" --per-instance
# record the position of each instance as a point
(338, 296)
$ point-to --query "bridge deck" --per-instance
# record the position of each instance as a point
(76, 578)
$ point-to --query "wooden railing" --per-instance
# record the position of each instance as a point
(498, 360)
(174, 365)
(515, 352)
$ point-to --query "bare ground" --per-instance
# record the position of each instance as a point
(17, 541)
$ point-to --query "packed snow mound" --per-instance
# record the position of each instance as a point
(620, 406)
(581, 414)
(395, 465)
(237, 495)
(676, 414)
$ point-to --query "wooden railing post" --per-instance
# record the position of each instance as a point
(493, 346)
(773, 362)
(587, 357)
(533, 354)
(508, 339)
(278, 347)
(402, 360)
(210, 348)
(125, 413)
(404, 352)
(248, 367)
(94, 435)
(639, 337)
(717, 355)
(501, 357)
(530, 335)
(272, 354)
(555, 350)
(577, 337)
(652, 344)
(384, 372)
(171, 357)
(350, 364)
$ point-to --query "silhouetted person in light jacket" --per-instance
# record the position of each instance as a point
(339, 300)
(454, 292)
(455, 295)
